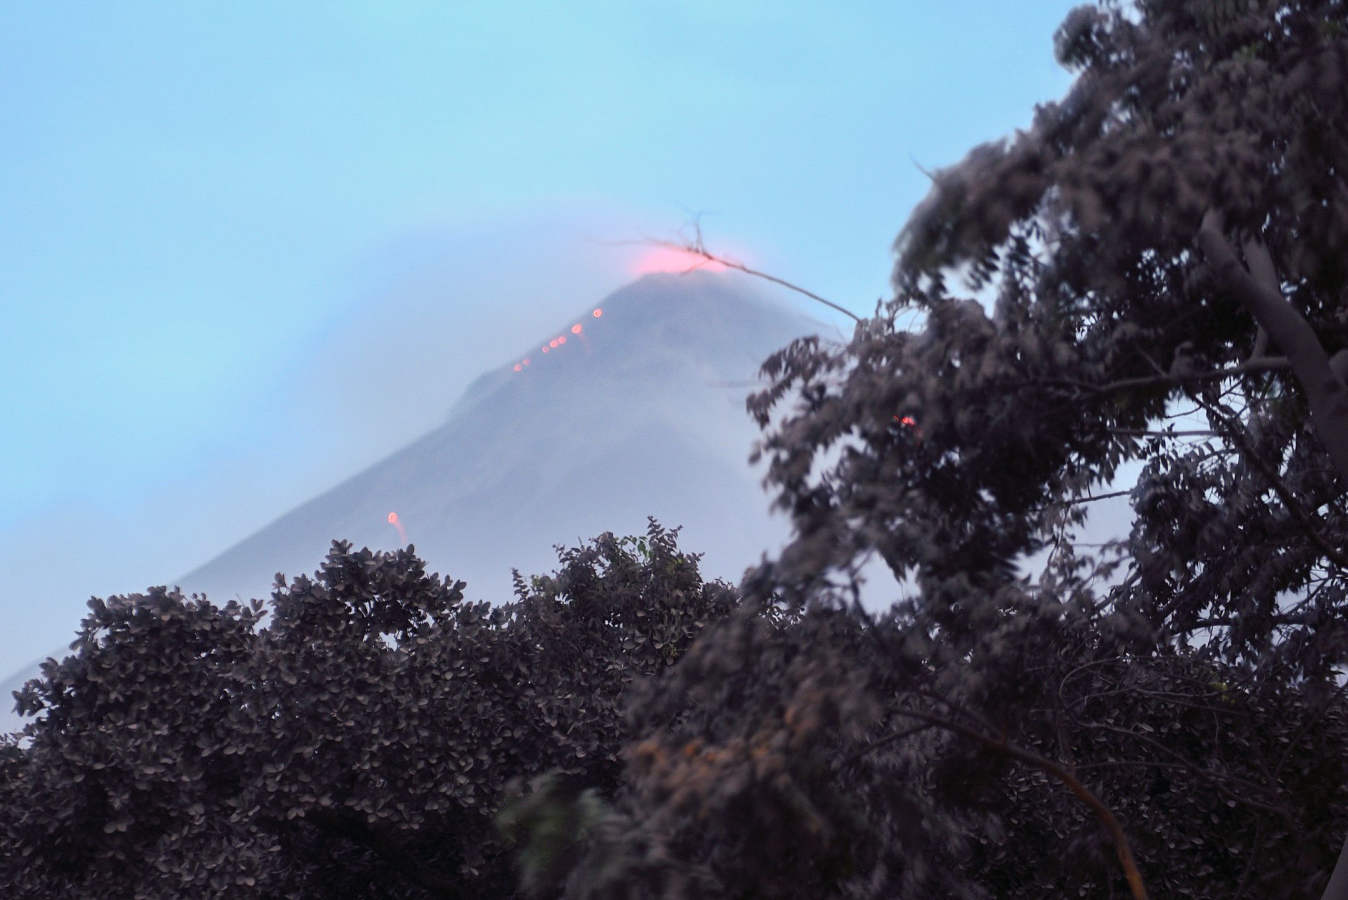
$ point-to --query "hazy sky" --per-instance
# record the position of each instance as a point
(247, 249)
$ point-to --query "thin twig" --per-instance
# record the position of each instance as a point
(885, 741)
(1220, 782)
(1142, 432)
(697, 247)
(1235, 435)
(1076, 500)
(1250, 367)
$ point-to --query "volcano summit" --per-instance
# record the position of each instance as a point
(638, 411)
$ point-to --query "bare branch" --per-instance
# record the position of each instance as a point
(1265, 364)
(1337, 889)
(1235, 434)
(1339, 364)
(929, 175)
(1142, 432)
(1121, 846)
(1077, 500)
(1260, 345)
(1220, 782)
(1257, 292)
(1261, 269)
(698, 248)
(884, 742)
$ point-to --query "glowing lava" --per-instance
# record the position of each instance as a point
(558, 341)
(910, 422)
(580, 333)
(672, 259)
(397, 523)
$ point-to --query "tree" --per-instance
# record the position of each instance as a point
(358, 744)
(1150, 238)
(773, 765)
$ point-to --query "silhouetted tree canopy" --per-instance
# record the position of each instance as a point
(1167, 240)
(353, 746)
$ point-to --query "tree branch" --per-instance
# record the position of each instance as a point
(1142, 432)
(1076, 500)
(699, 249)
(1260, 344)
(1220, 782)
(1337, 889)
(1304, 518)
(1262, 364)
(1261, 270)
(1102, 812)
(1257, 290)
(883, 742)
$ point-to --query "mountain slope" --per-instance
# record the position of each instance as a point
(623, 420)
(641, 413)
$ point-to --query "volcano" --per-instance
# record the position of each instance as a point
(639, 411)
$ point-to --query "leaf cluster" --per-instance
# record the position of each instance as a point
(356, 743)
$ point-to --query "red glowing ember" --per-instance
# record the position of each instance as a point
(910, 422)
(397, 523)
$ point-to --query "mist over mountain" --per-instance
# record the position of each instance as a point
(639, 412)
(629, 417)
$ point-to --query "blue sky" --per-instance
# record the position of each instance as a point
(247, 249)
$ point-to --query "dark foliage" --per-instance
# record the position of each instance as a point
(357, 745)
(782, 757)
(1166, 708)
